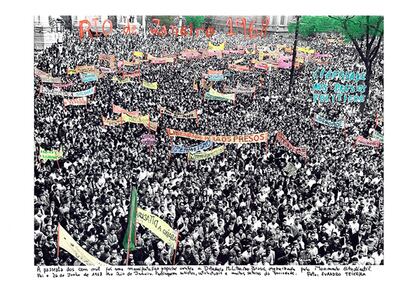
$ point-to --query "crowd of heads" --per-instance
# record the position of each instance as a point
(238, 208)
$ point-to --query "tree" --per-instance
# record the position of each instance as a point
(164, 20)
(197, 21)
(365, 33)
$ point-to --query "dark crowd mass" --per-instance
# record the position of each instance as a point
(238, 208)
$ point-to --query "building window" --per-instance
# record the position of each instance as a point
(282, 20)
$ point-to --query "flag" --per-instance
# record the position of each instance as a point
(129, 237)
(148, 85)
(138, 54)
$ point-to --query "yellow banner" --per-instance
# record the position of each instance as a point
(148, 85)
(138, 54)
(71, 246)
(85, 69)
(214, 47)
(141, 119)
(205, 154)
(157, 226)
(306, 50)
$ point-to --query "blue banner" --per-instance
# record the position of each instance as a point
(181, 149)
(84, 93)
(89, 77)
(215, 77)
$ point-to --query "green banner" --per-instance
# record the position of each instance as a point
(50, 154)
(205, 154)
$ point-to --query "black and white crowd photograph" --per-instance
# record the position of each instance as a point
(208, 140)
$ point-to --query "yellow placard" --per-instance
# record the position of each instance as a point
(157, 226)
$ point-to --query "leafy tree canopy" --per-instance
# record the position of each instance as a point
(349, 26)
(197, 21)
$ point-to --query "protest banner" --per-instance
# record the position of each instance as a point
(216, 96)
(66, 242)
(297, 150)
(160, 60)
(306, 50)
(52, 155)
(138, 54)
(50, 79)
(157, 226)
(261, 65)
(118, 109)
(141, 119)
(238, 139)
(360, 140)
(181, 149)
(324, 121)
(240, 68)
(109, 58)
(205, 154)
(55, 92)
(151, 125)
(40, 73)
(75, 102)
(190, 54)
(216, 47)
(378, 136)
(129, 63)
(112, 122)
(85, 69)
(242, 89)
(133, 74)
(121, 81)
(88, 77)
(46, 77)
(84, 93)
(106, 70)
(148, 139)
(214, 75)
(148, 85)
(62, 85)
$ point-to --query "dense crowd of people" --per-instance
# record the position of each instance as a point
(238, 208)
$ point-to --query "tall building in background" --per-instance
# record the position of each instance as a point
(47, 31)
(277, 23)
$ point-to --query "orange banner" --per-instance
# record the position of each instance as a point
(242, 139)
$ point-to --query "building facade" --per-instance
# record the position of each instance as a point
(277, 24)
(47, 31)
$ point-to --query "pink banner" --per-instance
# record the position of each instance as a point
(118, 109)
(360, 140)
(297, 150)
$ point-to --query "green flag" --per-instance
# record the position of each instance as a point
(131, 229)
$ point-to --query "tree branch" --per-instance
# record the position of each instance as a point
(358, 48)
(375, 50)
(377, 30)
(367, 37)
